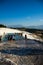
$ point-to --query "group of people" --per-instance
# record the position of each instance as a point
(12, 37)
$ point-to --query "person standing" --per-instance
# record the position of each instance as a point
(0, 38)
(25, 36)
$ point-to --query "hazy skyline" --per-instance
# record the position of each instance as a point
(22, 12)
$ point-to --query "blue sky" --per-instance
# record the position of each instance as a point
(22, 12)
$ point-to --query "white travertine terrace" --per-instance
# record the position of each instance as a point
(8, 30)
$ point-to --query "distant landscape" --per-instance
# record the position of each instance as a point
(38, 30)
(31, 27)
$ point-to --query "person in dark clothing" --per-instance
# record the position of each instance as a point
(0, 38)
(25, 36)
(9, 37)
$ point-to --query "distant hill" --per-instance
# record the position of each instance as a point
(32, 27)
(15, 26)
(40, 27)
(36, 27)
(1, 25)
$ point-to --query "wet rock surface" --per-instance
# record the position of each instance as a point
(22, 47)
(25, 60)
(23, 53)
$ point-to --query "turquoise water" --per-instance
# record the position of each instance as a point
(16, 37)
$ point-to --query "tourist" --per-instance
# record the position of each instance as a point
(0, 38)
(25, 36)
